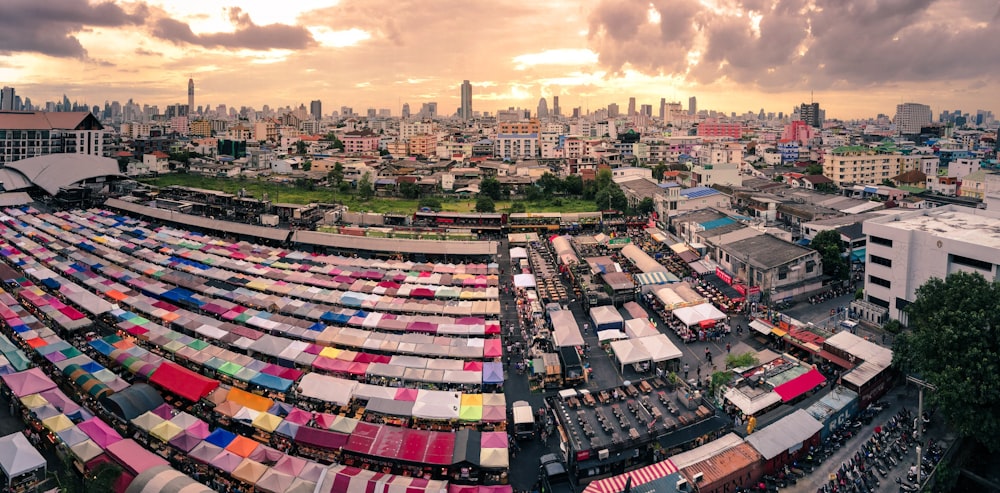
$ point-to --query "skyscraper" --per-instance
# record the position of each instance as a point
(811, 114)
(316, 109)
(190, 95)
(911, 117)
(555, 106)
(543, 109)
(663, 109)
(405, 113)
(646, 109)
(692, 105)
(7, 99)
(612, 110)
(465, 111)
(631, 106)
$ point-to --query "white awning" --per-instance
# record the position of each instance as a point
(761, 327)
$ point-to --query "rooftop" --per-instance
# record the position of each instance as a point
(767, 251)
(974, 226)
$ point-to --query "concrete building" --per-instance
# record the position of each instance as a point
(692, 105)
(715, 174)
(30, 134)
(906, 250)
(465, 111)
(190, 95)
(781, 269)
(713, 128)
(811, 114)
(911, 117)
(861, 165)
(360, 141)
(515, 146)
(316, 109)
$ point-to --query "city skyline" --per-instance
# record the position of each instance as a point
(732, 56)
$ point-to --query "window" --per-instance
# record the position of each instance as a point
(879, 281)
(971, 262)
(878, 301)
(878, 240)
(875, 259)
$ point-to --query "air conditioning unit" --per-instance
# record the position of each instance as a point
(682, 485)
(698, 477)
(603, 454)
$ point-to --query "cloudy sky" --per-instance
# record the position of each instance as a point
(858, 57)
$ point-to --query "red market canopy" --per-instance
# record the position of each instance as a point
(799, 385)
(183, 382)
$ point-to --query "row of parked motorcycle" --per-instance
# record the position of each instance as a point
(890, 446)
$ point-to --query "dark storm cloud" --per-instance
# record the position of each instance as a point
(247, 34)
(839, 43)
(49, 27)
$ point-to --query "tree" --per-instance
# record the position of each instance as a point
(485, 204)
(603, 179)
(533, 193)
(336, 175)
(490, 187)
(646, 206)
(300, 146)
(814, 169)
(954, 344)
(307, 165)
(516, 206)
(550, 184)
(409, 190)
(611, 197)
(573, 185)
(432, 203)
(659, 171)
(889, 183)
(365, 189)
(827, 243)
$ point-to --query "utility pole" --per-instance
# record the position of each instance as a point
(917, 421)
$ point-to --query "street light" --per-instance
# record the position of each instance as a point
(920, 416)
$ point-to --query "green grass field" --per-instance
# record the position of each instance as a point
(289, 193)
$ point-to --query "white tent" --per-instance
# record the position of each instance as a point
(565, 331)
(669, 298)
(606, 317)
(642, 260)
(659, 347)
(18, 456)
(628, 352)
(524, 280)
(437, 404)
(518, 252)
(751, 405)
(611, 335)
(639, 327)
(693, 315)
(327, 388)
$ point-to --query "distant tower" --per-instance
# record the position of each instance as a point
(543, 109)
(7, 99)
(692, 105)
(556, 111)
(190, 95)
(316, 109)
(406, 111)
(465, 112)
(663, 109)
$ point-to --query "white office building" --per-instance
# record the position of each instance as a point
(905, 250)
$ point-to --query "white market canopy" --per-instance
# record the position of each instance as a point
(751, 406)
(606, 317)
(18, 456)
(639, 327)
(518, 253)
(611, 335)
(642, 260)
(629, 352)
(565, 330)
(659, 347)
(524, 280)
(693, 315)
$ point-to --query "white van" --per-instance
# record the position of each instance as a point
(524, 420)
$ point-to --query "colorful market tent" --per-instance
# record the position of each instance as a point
(18, 456)
(183, 382)
(28, 382)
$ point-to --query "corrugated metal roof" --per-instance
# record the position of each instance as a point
(722, 464)
(784, 434)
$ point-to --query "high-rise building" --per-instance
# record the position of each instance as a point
(543, 109)
(811, 114)
(465, 111)
(429, 110)
(26, 135)
(190, 94)
(613, 110)
(647, 110)
(577, 112)
(692, 105)
(316, 109)
(911, 117)
(631, 106)
(663, 108)
(405, 113)
(7, 99)
(556, 111)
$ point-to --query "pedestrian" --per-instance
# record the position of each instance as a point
(728, 348)
(699, 373)
(686, 369)
(708, 355)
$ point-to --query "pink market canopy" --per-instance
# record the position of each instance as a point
(28, 382)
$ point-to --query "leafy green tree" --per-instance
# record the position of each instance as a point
(301, 146)
(490, 187)
(432, 203)
(659, 171)
(954, 344)
(485, 204)
(307, 165)
(550, 184)
(743, 360)
(573, 185)
(611, 197)
(516, 206)
(827, 243)
(603, 179)
(814, 169)
(646, 206)
(365, 188)
(409, 190)
(533, 193)
(336, 175)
